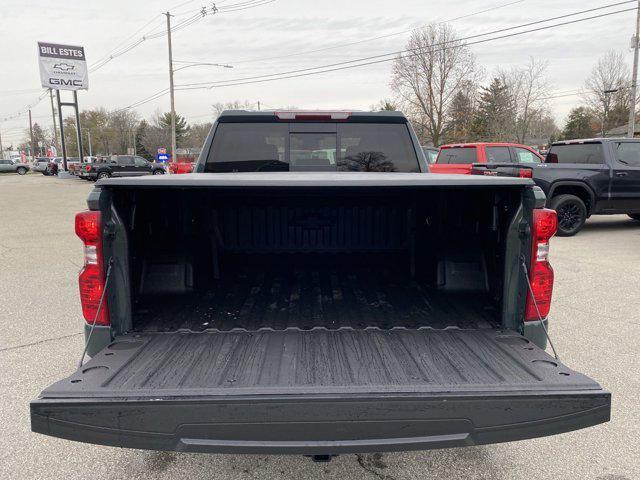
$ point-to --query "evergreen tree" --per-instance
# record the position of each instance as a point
(181, 126)
(580, 124)
(461, 116)
(494, 117)
(141, 132)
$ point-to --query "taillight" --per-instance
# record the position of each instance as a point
(525, 173)
(88, 168)
(91, 279)
(545, 224)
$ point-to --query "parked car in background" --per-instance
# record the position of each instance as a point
(41, 164)
(459, 158)
(13, 166)
(180, 167)
(120, 166)
(431, 153)
(73, 164)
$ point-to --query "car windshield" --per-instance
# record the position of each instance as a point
(260, 147)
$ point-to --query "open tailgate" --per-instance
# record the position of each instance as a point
(318, 391)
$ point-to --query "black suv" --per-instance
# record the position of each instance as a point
(120, 166)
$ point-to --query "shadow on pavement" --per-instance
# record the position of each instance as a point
(622, 224)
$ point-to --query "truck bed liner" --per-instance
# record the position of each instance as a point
(318, 361)
(307, 293)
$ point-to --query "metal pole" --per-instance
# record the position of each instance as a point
(173, 106)
(64, 145)
(634, 78)
(33, 145)
(89, 138)
(78, 133)
(53, 114)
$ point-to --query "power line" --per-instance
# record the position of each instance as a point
(366, 40)
(148, 99)
(387, 57)
(342, 66)
(201, 13)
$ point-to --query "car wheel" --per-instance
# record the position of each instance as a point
(635, 216)
(572, 213)
(158, 172)
(22, 171)
(102, 175)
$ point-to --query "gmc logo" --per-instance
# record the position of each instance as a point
(62, 81)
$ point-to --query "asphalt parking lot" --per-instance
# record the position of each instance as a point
(595, 326)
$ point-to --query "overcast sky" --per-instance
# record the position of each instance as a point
(245, 38)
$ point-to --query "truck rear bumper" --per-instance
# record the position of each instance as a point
(317, 425)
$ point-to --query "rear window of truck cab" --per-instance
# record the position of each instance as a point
(586, 153)
(457, 155)
(354, 147)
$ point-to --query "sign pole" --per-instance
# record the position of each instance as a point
(53, 114)
(64, 145)
(78, 133)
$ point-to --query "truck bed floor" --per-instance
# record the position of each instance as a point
(310, 292)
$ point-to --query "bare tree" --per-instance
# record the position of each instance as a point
(427, 79)
(122, 124)
(220, 107)
(607, 93)
(528, 88)
(197, 135)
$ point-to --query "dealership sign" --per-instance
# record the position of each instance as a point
(62, 67)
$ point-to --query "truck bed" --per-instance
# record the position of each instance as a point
(322, 291)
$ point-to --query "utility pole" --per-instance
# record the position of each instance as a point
(173, 106)
(53, 114)
(33, 145)
(634, 77)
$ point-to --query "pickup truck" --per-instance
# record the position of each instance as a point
(311, 289)
(460, 158)
(581, 178)
(119, 166)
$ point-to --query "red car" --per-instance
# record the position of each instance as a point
(459, 158)
(181, 167)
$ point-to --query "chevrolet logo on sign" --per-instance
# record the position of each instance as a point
(62, 67)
